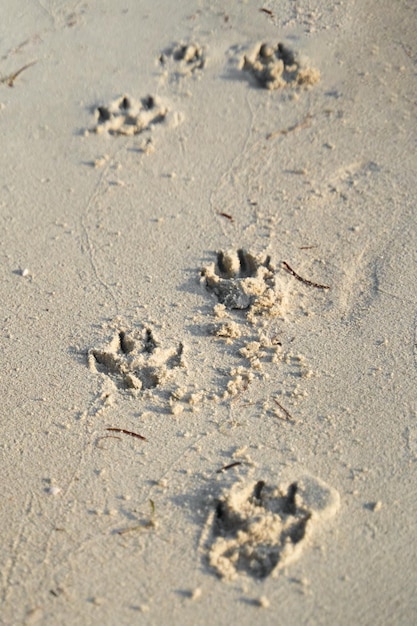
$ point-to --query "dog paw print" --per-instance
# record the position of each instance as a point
(135, 360)
(274, 67)
(241, 280)
(258, 529)
(187, 58)
(127, 116)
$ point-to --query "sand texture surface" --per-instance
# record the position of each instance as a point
(208, 312)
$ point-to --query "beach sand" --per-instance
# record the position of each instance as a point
(209, 312)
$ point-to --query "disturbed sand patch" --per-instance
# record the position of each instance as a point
(247, 287)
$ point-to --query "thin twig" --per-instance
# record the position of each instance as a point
(9, 80)
(226, 215)
(303, 280)
(305, 123)
(127, 432)
(226, 467)
(287, 414)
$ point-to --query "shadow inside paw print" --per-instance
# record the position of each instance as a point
(135, 360)
(258, 529)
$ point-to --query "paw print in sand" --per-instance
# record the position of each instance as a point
(127, 116)
(258, 529)
(135, 360)
(242, 280)
(278, 66)
(188, 58)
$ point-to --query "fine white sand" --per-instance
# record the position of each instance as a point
(227, 270)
